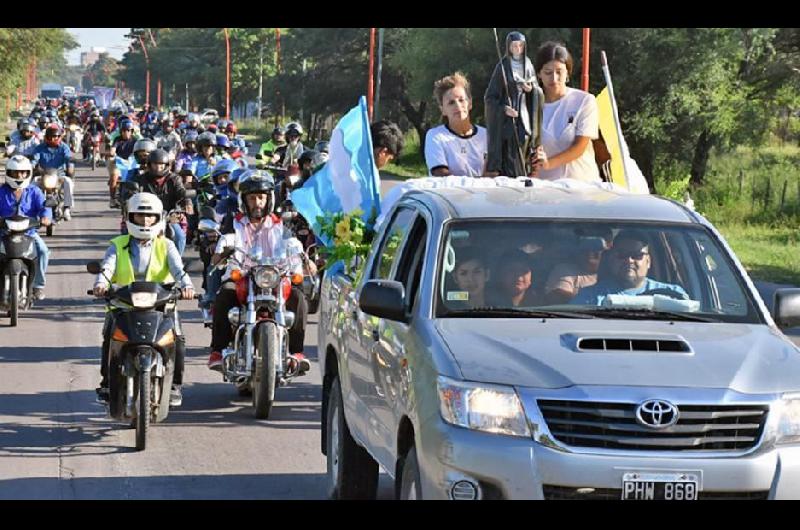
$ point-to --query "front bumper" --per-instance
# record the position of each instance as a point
(506, 467)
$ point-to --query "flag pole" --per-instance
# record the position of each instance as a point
(615, 113)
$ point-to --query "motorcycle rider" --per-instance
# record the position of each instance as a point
(17, 196)
(169, 140)
(231, 132)
(256, 226)
(121, 147)
(206, 157)
(53, 153)
(288, 154)
(141, 151)
(277, 140)
(143, 254)
(168, 187)
(187, 154)
(93, 127)
(25, 142)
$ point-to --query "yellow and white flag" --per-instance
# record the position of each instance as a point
(621, 161)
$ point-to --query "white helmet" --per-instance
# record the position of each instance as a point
(149, 204)
(18, 163)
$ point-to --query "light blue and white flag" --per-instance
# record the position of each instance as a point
(349, 180)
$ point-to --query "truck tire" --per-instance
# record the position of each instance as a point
(410, 487)
(352, 473)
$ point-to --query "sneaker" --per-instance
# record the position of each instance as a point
(298, 364)
(175, 396)
(215, 361)
(38, 293)
(67, 214)
(102, 394)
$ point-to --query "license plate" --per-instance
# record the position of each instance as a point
(660, 486)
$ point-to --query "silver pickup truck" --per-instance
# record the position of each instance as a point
(552, 343)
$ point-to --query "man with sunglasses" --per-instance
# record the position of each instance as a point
(629, 265)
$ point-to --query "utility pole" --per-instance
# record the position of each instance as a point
(380, 68)
(187, 97)
(227, 76)
(260, 79)
(371, 79)
(303, 92)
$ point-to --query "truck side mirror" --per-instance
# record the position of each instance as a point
(384, 299)
(786, 308)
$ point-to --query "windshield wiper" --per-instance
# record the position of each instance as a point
(639, 313)
(515, 312)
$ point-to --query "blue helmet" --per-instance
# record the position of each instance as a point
(223, 141)
(224, 166)
(191, 136)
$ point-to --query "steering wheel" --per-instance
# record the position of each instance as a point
(666, 292)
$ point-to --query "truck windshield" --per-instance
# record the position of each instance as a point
(535, 268)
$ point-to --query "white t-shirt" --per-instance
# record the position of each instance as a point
(463, 156)
(573, 115)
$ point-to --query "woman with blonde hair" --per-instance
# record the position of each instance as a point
(457, 147)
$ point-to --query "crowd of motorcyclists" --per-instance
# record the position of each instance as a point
(168, 171)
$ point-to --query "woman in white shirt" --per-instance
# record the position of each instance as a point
(569, 122)
(457, 147)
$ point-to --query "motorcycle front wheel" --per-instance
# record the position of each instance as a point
(265, 372)
(143, 414)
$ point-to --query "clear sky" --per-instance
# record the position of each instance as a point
(109, 38)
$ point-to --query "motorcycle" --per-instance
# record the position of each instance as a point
(141, 352)
(258, 360)
(18, 265)
(50, 184)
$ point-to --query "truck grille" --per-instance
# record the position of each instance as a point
(559, 493)
(614, 426)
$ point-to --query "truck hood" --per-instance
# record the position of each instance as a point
(544, 353)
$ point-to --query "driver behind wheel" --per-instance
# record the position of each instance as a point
(629, 265)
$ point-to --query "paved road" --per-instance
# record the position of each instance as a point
(56, 443)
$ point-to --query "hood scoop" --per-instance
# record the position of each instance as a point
(638, 344)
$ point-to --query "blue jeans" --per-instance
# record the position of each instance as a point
(179, 238)
(213, 282)
(42, 257)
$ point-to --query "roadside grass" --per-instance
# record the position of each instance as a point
(410, 163)
(769, 253)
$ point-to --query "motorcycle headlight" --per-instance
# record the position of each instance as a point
(234, 314)
(144, 300)
(267, 277)
(50, 181)
(489, 408)
(788, 419)
(18, 226)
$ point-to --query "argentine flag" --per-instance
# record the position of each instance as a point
(349, 180)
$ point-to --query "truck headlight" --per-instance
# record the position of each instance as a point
(788, 426)
(489, 408)
(267, 277)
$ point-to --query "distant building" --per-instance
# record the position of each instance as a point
(91, 57)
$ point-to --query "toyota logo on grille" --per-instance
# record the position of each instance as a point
(657, 414)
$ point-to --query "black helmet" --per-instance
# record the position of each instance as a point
(278, 130)
(306, 156)
(515, 36)
(158, 156)
(256, 182)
